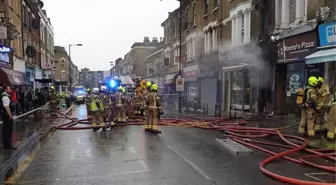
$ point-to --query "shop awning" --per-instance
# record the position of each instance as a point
(9, 76)
(234, 68)
(326, 55)
(126, 80)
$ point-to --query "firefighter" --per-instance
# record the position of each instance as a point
(120, 105)
(137, 102)
(322, 101)
(87, 100)
(94, 105)
(331, 119)
(53, 100)
(154, 109)
(308, 106)
(106, 104)
(146, 92)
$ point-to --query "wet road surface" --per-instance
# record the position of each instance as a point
(129, 156)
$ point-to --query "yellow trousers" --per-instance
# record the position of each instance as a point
(307, 120)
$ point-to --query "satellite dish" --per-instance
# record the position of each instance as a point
(30, 52)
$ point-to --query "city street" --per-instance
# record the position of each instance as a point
(127, 155)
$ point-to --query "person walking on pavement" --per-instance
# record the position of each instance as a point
(308, 106)
(7, 117)
(53, 100)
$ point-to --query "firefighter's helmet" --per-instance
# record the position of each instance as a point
(313, 81)
(95, 90)
(103, 88)
(148, 84)
(154, 87)
(321, 79)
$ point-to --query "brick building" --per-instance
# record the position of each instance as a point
(300, 32)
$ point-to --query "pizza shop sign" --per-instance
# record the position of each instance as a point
(296, 48)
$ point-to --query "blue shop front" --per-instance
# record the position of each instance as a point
(326, 53)
(7, 74)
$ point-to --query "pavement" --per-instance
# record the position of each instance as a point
(126, 155)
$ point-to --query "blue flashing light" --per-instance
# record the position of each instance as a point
(113, 84)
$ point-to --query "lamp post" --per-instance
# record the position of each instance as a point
(70, 68)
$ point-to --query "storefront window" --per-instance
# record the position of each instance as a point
(295, 80)
(240, 90)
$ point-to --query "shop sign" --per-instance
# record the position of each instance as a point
(5, 49)
(179, 84)
(4, 58)
(327, 34)
(38, 74)
(190, 71)
(296, 48)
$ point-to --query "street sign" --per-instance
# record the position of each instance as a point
(179, 84)
(3, 32)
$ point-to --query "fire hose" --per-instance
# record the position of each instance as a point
(237, 131)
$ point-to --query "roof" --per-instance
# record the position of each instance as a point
(170, 15)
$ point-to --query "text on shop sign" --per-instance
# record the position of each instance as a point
(303, 45)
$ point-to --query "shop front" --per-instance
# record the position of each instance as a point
(38, 75)
(242, 67)
(291, 71)
(326, 53)
(210, 82)
(191, 90)
(30, 77)
(169, 83)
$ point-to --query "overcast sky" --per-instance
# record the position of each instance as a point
(106, 28)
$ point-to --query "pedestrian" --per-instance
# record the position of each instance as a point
(7, 117)
(14, 100)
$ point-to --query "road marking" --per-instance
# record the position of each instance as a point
(190, 163)
(88, 152)
(144, 165)
(72, 155)
(311, 176)
(133, 150)
(129, 172)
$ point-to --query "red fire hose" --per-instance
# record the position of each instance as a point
(246, 136)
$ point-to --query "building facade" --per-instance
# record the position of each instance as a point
(92, 79)
(31, 39)
(154, 66)
(47, 44)
(300, 32)
(61, 73)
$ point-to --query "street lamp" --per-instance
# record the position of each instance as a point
(70, 68)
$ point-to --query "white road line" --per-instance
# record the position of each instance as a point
(72, 155)
(144, 165)
(190, 163)
(133, 150)
(129, 172)
(88, 152)
(311, 176)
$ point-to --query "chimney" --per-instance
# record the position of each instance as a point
(146, 39)
(155, 40)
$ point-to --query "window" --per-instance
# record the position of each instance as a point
(292, 11)
(217, 3)
(194, 15)
(186, 19)
(206, 6)
(242, 29)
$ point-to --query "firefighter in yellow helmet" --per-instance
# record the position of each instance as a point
(120, 105)
(154, 109)
(94, 107)
(322, 101)
(331, 118)
(147, 90)
(53, 99)
(308, 106)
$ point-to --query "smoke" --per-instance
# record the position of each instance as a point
(251, 57)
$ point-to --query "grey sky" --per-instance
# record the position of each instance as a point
(106, 28)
